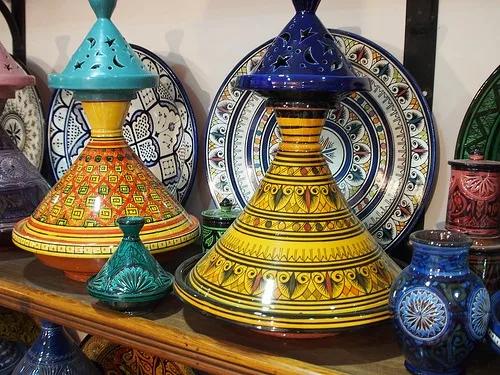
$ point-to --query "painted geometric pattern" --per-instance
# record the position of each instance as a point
(479, 314)
(423, 314)
(102, 185)
(481, 122)
(380, 145)
(301, 253)
(220, 273)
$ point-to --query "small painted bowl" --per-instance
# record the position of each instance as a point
(493, 335)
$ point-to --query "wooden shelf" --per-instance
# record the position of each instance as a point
(179, 333)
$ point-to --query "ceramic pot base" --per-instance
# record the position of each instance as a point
(415, 371)
(291, 335)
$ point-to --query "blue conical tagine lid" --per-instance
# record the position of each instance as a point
(104, 67)
(305, 58)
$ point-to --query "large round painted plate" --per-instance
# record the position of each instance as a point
(380, 145)
(116, 359)
(481, 125)
(24, 121)
(160, 128)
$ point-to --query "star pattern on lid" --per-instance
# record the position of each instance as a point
(280, 62)
(306, 33)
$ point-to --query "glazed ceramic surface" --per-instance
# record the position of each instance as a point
(55, 353)
(484, 261)
(493, 336)
(108, 180)
(10, 355)
(215, 222)
(116, 359)
(24, 121)
(160, 127)
(297, 260)
(481, 123)
(440, 309)
(474, 198)
(132, 280)
(380, 145)
(21, 185)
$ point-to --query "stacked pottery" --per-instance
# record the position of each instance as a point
(21, 185)
(296, 261)
(131, 281)
(74, 227)
(474, 209)
(440, 309)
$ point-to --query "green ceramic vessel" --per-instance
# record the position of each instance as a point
(215, 223)
(132, 280)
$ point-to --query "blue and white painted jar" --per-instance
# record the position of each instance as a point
(440, 309)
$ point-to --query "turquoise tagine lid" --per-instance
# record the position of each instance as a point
(104, 67)
(303, 58)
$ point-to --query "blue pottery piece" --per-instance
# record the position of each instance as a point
(493, 336)
(55, 353)
(440, 309)
(10, 354)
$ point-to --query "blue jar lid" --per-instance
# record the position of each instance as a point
(104, 67)
(304, 57)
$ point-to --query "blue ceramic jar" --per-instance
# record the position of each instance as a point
(54, 352)
(440, 309)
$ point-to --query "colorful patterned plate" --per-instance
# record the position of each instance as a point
(160, 128)
(116, 359)
(24, 121)
(380, 145)
(481, 123)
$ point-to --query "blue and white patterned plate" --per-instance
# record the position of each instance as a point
(160, 128)
(380, 145)
(24, 121)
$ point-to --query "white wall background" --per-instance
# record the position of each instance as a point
(202, 40)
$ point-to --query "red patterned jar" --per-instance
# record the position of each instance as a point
(474, 197)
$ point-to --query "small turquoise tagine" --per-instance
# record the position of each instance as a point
(131, 281)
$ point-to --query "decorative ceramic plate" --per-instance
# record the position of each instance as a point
(160, 128)
(116, 359)
(481, 125)
(24, 121)
(380, 145)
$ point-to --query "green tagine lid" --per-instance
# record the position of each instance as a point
(104, 67)
(132, 280)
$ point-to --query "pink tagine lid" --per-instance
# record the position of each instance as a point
(12, 77)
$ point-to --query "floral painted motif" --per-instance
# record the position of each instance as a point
(423, 314)
(133, 280)
(479, 314)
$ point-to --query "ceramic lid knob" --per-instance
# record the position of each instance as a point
(103, 8)
(306, 5)
(131, 225)
(476, 154)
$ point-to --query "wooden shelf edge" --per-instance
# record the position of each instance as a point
(201, 352)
